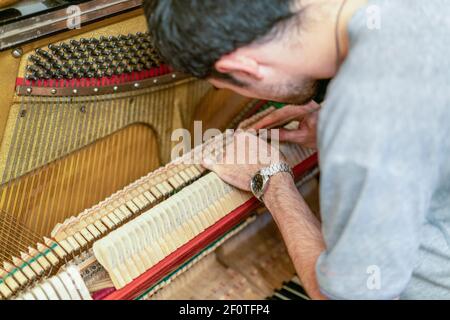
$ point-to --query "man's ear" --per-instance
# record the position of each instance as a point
(239, 65)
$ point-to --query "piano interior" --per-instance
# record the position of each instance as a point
(91, 204)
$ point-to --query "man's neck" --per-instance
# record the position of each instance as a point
(349, 8)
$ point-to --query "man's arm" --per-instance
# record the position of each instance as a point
(299, 228)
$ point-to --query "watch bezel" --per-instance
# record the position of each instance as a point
(259, 192)
(260, 181)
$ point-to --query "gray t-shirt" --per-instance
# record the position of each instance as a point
(384, 141)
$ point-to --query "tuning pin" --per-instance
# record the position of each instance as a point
(119, 57)
(46, 76)
(82, 51)
(122, 49)
(102, 66)
(115, 50)
(34, 59)
(53, 47)
(91, 47)
(67, 65)
(110, 45)
(143, 60)
(75, 43)
(116, 71)
(40, 64)
(46, 66)
(109, 72)
(144, 46)
(39, 75)
(43, 54)
(135, 49)
(67, 48)
(94, 41)
(39, 51)
(134, 61)
(128, 56)
(139, 67)
(56, 66)
(99, 60)
(100, 74)
(77, 73)
(63, 73)
(32, 68)
(148, 65)
(129, 69)
(100, 47)
(78, 62)
(119, 70)
(31, 77)
(140, 53)
(96, 52)
(63, 57)
(83, 69)
(81, 75)
(57, 75)
(75, 55)
(88, 63)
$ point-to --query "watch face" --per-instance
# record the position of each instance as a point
(257, 183)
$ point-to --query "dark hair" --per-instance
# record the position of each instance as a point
(192, 35)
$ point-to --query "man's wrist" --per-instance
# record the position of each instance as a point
(278, 184)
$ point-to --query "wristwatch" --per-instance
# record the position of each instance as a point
(260, 180)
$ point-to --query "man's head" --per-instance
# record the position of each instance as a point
(267, 49)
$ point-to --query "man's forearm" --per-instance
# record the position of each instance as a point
(299, 228)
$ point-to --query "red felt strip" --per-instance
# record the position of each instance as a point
(97, 82)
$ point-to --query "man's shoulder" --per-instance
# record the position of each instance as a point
(392, 69)
(397, 37)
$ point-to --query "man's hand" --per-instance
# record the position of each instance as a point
(242, 159)
(307, 116)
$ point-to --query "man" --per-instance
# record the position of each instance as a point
(382, 132)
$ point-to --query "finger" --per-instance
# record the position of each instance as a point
(276, 117)
(285, 115)
(208, 163)
(233, 177)
(246, 124)
(294, 136)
